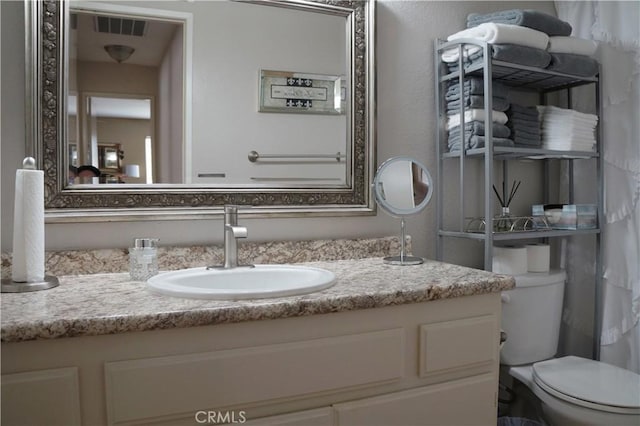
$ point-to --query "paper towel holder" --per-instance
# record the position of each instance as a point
(10, 286)
(402, 187)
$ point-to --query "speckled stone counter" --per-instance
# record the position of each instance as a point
(85, 305)
(68, 262)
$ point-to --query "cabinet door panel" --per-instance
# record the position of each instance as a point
(136, 389)
(43, 397)
(459, 344)
(461, 402)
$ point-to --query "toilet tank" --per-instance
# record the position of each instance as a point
(531, 315)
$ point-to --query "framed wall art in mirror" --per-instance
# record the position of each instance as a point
(209, 161)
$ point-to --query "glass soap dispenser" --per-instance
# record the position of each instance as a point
(143, 258)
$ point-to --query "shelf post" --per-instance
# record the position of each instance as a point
(488, 158)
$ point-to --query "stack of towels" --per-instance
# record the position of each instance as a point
(474, 116)
(567, 129)
(474, 95)
(524, 123)
(525, 37)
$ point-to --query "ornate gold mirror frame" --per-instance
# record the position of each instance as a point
(46, 136)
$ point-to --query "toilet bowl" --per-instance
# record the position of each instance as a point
(569, 390)
(578, 391)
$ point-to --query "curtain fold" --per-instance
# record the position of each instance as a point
(614, 24)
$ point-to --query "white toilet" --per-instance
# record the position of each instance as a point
(569, 390)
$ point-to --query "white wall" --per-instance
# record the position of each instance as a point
(405, 126)
(225, 104)
(169, 142)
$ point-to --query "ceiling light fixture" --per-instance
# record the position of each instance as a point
(118, 52)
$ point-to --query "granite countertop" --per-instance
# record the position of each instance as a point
(89, 305)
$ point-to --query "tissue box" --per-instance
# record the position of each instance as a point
(566, 216)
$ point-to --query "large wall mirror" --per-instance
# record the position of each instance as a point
(171, 109)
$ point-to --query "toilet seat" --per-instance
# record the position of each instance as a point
(590, 384)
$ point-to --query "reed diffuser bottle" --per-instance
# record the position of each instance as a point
(503, 222)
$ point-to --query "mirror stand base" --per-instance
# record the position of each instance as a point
(403, 260)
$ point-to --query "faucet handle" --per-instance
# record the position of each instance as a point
(238, 231)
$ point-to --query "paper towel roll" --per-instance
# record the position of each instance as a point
(510, 260)
(28, 226)
(538, 256)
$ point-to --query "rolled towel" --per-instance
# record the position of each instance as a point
(477, 101)
(477, 128)
(496, 34)
(475, 86)
(478, 142)
(523, 55)
(575, 45)
(568, 63)
(475, 115)
(535, 19)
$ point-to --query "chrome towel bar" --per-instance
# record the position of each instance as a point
(255, 156)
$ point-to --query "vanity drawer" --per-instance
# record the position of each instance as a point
(182, 384)
(468, 401)
(458, 345)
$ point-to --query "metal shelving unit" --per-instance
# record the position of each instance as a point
(524, 78)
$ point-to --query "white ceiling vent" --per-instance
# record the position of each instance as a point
(123, 26)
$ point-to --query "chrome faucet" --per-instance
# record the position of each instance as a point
(231, 234)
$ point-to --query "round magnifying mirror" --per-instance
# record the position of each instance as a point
(402, 187)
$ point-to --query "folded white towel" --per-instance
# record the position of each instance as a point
(476, 115)
(569, 137)
(575, 45)
(549, 111)
(496, 33)
(568, 146)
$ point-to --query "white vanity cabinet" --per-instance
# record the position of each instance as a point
(433, 362)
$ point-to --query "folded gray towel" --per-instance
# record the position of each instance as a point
(568, 63)
(523, 55)
(527, 132)
(524, 110)
(474, 86)
(478, 142)
(477, 128)
(523, 121)
(527, 126)
(525, 18)
(527, 142)
(477, 101)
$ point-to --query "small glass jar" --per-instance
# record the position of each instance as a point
(143, 258)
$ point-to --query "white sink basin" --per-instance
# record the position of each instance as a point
(242, 283)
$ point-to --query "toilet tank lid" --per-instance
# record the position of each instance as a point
(590, 383)
(533, 279)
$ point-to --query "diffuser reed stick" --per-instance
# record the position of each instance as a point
(504, 200)
(503, 222)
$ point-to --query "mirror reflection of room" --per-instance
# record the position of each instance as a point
(121, 71)
(175, 56)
